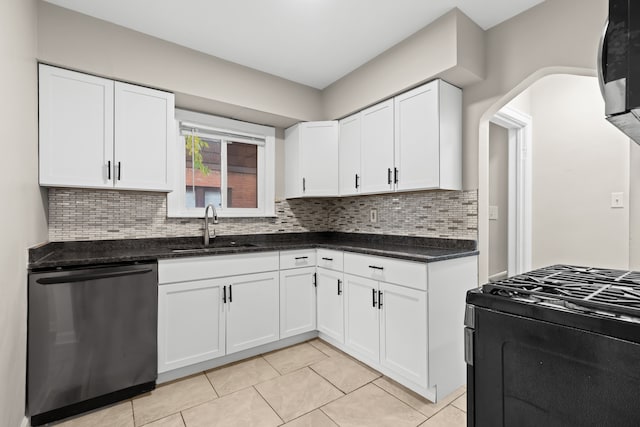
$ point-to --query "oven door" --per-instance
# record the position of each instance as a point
(526, 372)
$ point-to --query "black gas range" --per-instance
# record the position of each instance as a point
(558, 346)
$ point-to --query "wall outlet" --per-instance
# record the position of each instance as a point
(617, 200)
(373, 215)
(493, 213)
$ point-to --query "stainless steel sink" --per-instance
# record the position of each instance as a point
(214, 247)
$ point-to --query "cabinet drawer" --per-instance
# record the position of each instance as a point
(391, 270)
(330, 259)
(295, 259)
(207, 267)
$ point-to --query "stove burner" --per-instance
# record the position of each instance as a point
(593, 290)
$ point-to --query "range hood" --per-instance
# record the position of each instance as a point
(619, 66)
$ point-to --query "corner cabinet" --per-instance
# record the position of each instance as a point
(98, 133)
(311, 160)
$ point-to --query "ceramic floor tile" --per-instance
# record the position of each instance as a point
(372, 406)
(414, 400)
(327, 349)
(461, 402)
(448, 417)
(241, 375)
(174, 420)
(243, 408)
(119, 415)
(297, 393)
(316, 418)
(171, 398)
(345, 373)
(295, 357)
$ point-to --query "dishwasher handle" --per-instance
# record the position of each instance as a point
(84, 277)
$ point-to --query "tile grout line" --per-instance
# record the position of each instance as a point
(218, 395)
(268, 404)
(404, 403)
(327, 415)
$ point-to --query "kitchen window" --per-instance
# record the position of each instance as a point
(224, 162)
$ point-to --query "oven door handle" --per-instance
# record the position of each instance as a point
(468, 346)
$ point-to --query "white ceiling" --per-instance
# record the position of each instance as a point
(313, 42)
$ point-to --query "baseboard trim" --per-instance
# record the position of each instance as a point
(245, 354)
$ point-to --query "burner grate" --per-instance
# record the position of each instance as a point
(612, 291)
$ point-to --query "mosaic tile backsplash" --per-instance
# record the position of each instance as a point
(80, 214)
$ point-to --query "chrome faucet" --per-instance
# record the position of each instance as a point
(206, 223)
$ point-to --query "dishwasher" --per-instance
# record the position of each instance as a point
(92, 337)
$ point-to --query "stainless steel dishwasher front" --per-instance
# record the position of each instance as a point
(92, 338)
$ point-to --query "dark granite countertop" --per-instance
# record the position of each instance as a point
(67, 254)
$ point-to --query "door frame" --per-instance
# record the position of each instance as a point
(518, 125)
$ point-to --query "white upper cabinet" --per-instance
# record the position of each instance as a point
(311, 160)
(76, 129)
(97, 133)
(349, 155)
(428, 140)
(144, 125)
(376, 160)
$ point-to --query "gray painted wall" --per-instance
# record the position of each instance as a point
(22, 217)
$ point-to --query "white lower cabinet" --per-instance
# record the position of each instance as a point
(403, 331)
(201, 318)
(191, 323)
(387, 324)
(330, 303)
(361, 318)
(297, 301)
(252, 310)
(404, 318)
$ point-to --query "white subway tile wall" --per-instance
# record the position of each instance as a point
(80, 214)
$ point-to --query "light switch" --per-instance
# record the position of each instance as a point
(617, 200)
(493, 213)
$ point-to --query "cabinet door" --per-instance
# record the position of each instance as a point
(191, 323)
(417, 140)
(319, 158)
(297, 301)
(252, 310)
(144, 131)
(361, 317)
(377, 148)
(331, 304)
(403, 332)
(349, 155)
(76, 129)
(292, 159)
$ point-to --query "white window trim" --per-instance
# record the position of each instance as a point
(266, 163)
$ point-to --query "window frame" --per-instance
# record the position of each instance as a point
(223, 129)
